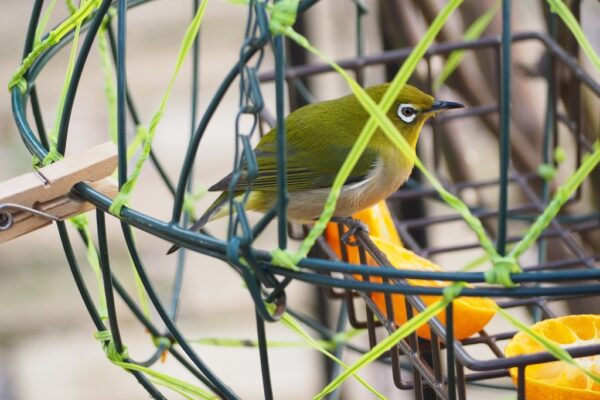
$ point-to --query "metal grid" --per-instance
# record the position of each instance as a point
(429, 369)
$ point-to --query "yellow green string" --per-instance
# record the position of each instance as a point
(184, 388)
(188, 40)
(548, 171)
(450, 293)
(110, 89)
(291, 323)
(559, 154)
(559, 8)
(53, 154)
(473, 32)
(53, 38)
(108, 345)
(118, 358)
(43, 23)
(562, 195)
(161, 341)
(81, 223)
(283, 15)
(71, 6)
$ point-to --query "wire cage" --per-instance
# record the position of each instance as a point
(441, 367)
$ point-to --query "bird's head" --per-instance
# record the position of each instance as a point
(411, 109)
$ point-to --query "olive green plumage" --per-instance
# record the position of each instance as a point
(318, 138)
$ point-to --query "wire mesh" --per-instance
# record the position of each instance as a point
(428, 368)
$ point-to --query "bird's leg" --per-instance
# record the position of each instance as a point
(353, 226)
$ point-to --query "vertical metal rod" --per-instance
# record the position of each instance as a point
(339, 349)
(264, 357)
(521, 389)
(360, 41)
(282, 195)
(77, 277)
(576, 98)
(35, 105)
(462, 383)
(549, 140)
(110, 303)
(450, 367)
(107, 281)
(32, 28)
(121, 92)
(505, 83)
(179, 269)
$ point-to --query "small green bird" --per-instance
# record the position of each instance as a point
(319, 136)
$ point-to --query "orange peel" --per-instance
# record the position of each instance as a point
(558, 380)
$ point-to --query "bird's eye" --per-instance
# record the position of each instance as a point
(407, 113)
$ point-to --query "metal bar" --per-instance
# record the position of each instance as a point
(455, 187)
(395, 56)
(264, 357)
(121, 91)
(282, 194)
(335, 368)
(450, 360)
(505, 82)
(107, 281)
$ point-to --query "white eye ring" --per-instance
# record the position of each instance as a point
(407, 113)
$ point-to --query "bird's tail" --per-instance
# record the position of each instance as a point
(216, 210)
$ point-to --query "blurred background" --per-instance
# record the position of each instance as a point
(47, 348)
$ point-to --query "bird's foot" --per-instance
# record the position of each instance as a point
(353, 225)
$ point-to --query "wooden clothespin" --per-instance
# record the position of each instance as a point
(31, 201)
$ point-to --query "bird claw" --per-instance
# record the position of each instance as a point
(353, 225)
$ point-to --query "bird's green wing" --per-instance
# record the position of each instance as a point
(302, 172)
(319, 137)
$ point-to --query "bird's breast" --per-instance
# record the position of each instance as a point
(387, 175)
(390, 171)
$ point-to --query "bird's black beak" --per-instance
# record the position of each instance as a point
(439, 105)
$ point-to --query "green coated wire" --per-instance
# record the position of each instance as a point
(76, 19)
(563, 194)
(187, 42)
(505, 112)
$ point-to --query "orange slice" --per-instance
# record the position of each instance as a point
(558, 380)
(379, 220)
(473, 313)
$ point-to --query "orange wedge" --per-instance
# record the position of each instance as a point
(558, 380)
(472, 313)
(379, 220)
